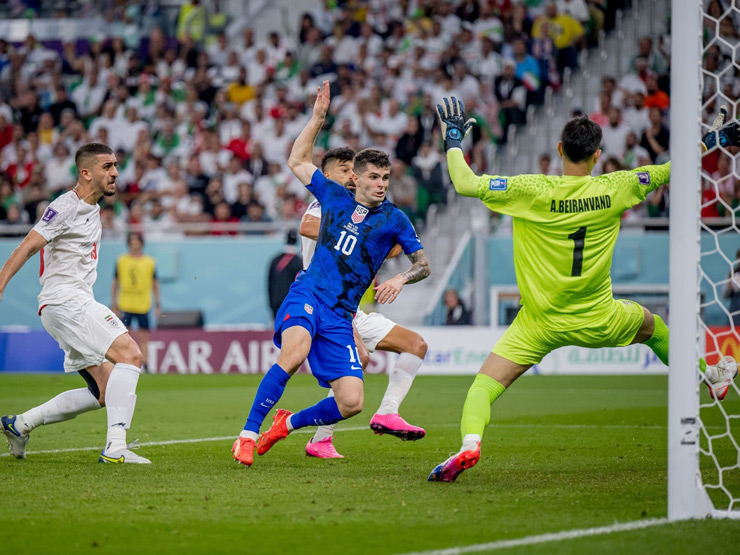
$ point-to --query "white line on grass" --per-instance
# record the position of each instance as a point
(356, 429)
(546, 538)
(171, 442)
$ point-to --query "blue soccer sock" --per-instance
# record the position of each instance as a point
(323, 413)
(268, 393)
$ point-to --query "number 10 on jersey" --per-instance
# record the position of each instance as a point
(346, 243)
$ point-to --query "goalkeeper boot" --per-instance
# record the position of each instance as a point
(121, 456)
(243, 450)
(449, 470)
(16, 440)
(323, 449)
(278, 430)
(394, 425)
(719, 376)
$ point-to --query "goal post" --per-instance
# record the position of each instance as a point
(683, 396)
(703, 434)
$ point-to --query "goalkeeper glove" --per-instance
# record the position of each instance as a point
(452, 121)
(724, 135)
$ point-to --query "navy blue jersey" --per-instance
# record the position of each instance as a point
(353, 242)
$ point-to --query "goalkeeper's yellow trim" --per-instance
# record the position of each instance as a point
(463, 178)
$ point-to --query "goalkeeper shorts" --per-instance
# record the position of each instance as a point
(527, 340)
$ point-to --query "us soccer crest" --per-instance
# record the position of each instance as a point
(359, 214)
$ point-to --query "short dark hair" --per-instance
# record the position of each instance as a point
(581, 137)
(373, 156)
(341, 154)
(133, 234)
(90, 150)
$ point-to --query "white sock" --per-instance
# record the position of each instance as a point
(65, 406)
(322, 432)
(120, 400)
(470, 442)
(399, 382)
(249, 435)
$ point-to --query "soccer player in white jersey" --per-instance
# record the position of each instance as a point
(372, 331)
(95, 342)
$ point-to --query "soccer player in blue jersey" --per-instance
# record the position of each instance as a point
(315, 320)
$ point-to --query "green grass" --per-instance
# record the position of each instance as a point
(561, 453)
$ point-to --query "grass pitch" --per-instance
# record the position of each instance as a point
(561, 453)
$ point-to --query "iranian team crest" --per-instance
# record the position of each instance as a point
(359, 214)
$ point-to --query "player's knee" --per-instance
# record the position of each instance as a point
(133, 355)
(350, 404)
(418, 346)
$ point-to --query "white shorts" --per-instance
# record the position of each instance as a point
(84, 329)
(372, 327)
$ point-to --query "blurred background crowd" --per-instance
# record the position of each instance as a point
(203, 120)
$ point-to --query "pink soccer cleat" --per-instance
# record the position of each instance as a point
(449, 470)
(394, 425)
(322, 449)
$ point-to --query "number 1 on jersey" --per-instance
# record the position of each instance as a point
(349, 244)
(579, 241)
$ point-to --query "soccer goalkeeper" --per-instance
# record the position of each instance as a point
(565, 228)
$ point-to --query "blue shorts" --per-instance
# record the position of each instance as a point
(142, 319)
(333, 351)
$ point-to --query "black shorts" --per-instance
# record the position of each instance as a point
(142, 319)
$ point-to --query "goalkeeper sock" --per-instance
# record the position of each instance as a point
(658, 342)
(323, 413)
(268, 393)
(477, 409)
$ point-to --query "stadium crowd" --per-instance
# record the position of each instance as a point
(202, 122)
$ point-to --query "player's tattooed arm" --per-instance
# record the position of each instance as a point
(419, 267)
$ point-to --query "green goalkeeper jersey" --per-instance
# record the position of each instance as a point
(565, 228)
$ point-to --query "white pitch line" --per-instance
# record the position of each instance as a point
(359, 428)
(170, 442)
(546, 538)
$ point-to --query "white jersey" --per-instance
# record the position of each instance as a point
(308, 246)
(69, 262)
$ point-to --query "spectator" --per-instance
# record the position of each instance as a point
(511, 96)
(656, 138)
(282, 271)
(427, 170)
(457, 313)
(221, 219)
(614, 135)
(565, 32)
(134, 283)
(404, 189)
(634, 155)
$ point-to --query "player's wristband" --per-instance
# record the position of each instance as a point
(453, 138)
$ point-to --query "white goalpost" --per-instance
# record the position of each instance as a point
(703, 449)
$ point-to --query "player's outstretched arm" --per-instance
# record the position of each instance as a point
(454, 129)
(387, 291)
(31, 244)
(300, 160)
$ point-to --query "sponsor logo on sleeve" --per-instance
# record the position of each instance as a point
(49, 215)
(359, 214)
(644, 178)
(498, 184)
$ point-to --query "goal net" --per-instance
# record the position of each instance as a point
(704, 434)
